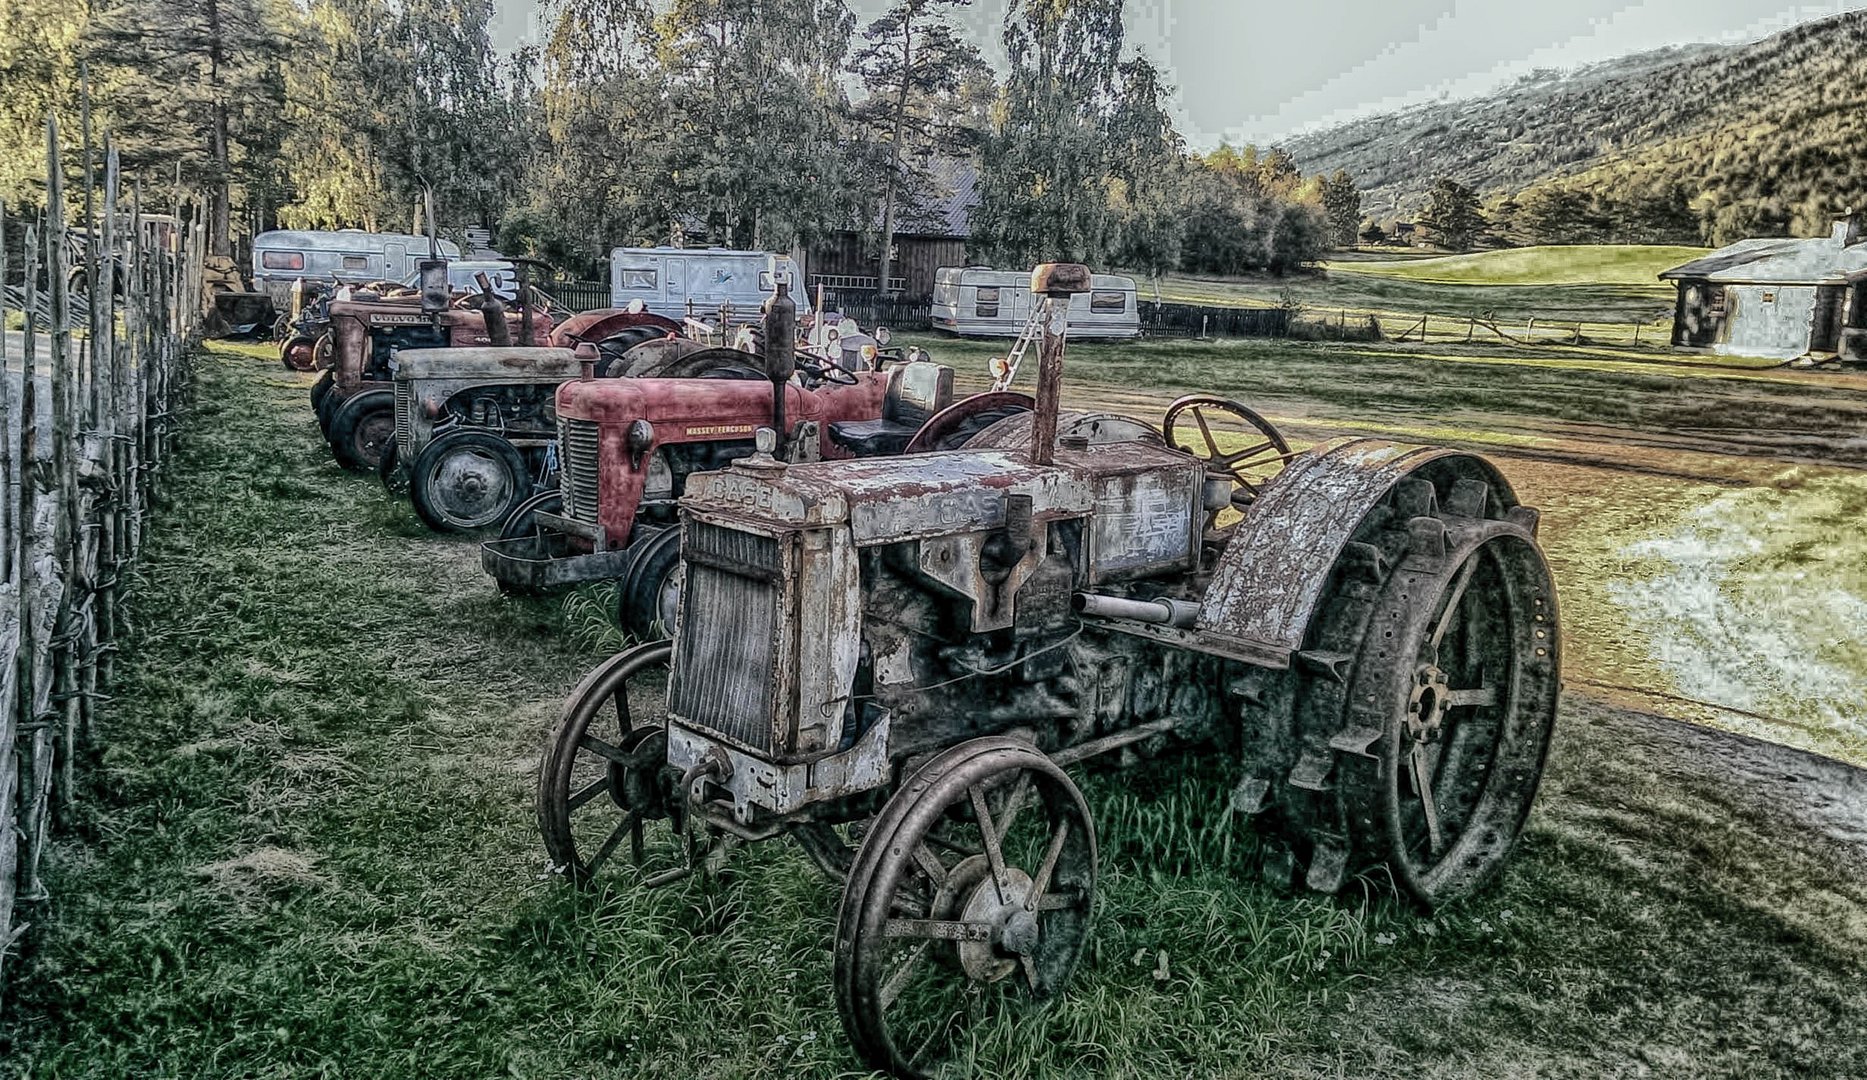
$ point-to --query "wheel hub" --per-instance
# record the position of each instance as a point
(1426, 705)
(1014, 929)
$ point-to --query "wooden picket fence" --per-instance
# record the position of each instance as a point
(87, 407)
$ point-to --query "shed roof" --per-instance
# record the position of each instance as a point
(1820, 261)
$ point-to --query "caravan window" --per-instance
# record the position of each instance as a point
(986, 306)
(356, 262)
(282, 260)
(1108, 303)
(640, 279)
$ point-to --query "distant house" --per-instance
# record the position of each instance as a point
(931, 231)
(1405, 234)
(1780, 298)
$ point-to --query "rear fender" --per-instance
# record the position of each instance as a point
(1277, 566)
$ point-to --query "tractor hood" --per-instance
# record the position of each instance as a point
(491, 364)
(696, 406)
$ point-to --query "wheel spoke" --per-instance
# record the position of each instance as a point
(930, 865)
(1227, 461)
(1029, 965)
(1425, 788)
(635, 840)
(1013, 803)
(602, 749)
(588, 792)
(623, 720)
(938, 929)
(891, 990)
(623, 829)
(1041, 883)
(1453, 599)
(1060, 900)
(1212, 445)
(993, 854)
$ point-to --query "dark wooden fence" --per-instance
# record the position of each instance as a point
(871, 309)
(578, 295)
(88, 424)
(1159, 319)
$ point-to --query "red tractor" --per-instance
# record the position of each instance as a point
(627, 446)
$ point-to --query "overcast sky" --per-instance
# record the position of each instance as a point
(1256, 71)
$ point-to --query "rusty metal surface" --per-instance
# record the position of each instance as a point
(1277, 564)
(601, 323)
(528, 564)
(514, 364)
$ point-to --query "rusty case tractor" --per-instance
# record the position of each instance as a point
(923, 646)
(476, 428)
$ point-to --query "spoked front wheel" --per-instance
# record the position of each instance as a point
(973, 889)
(605, 782)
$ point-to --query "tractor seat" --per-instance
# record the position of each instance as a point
(915, 392)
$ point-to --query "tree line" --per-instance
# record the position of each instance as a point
(744, 123)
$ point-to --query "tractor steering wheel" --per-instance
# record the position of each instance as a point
(819, 371)
(1242, 446)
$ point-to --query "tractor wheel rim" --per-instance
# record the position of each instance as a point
(471, 487)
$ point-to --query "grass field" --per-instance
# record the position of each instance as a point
(307, 850)
(1592, 285)
(1581, 264)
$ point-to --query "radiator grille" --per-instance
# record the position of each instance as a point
(726, 655)
(404, 421)
(578, 469)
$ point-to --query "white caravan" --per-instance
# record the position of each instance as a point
(975, 301)
(351, 256)
(676, 281)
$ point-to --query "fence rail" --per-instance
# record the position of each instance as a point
(85, 430)
(578, 295)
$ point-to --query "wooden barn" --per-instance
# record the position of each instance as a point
(1777, 298)
(931, 233)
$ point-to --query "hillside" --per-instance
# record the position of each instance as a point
(1762, 136)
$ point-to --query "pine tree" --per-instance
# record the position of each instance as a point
(913, 66)
(197, 84)
(1341, 203)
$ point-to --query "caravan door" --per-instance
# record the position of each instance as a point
(395, 261)
(674, 277)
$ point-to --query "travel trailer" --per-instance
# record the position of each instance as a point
(975, 301)
(678, 281)
(351, 256)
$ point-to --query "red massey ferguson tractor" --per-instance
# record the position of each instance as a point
(627, 446)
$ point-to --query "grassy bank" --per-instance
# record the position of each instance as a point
(308, 851)
(1598, 286)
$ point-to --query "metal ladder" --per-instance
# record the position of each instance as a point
(1033, 329)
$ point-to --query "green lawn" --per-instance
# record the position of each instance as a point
(307, 849)
(1580, 264)
(1597, 286)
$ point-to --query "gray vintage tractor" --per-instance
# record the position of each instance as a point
(925, 648)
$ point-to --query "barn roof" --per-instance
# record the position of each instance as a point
(1820, 261)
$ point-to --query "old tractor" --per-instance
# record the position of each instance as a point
(927, 647)
(476, 428)
(355, 399)
(626, 448)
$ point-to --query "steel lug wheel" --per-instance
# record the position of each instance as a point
(605, 780)
(974, 888)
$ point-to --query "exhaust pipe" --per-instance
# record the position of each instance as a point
(1180, 614)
